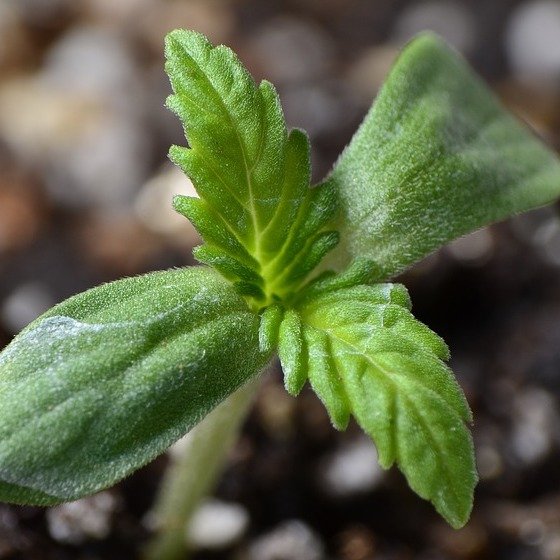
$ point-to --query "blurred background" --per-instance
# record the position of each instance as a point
(85, 191)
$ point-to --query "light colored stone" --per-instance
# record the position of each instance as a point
(111, 74)
(475, 248)
(528, 226)
(533, 41)
(216, 20)
(351, 469)
(536, 425)
(153, 205)
(489, 462)
(24, 305)
(318, 109)
(548, 240)
(292, 540)
(291, 50)
(370, 69)
(217, 525)
(83, 129)
(82, 520)
(451, 19)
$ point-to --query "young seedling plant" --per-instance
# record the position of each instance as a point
(107, 380)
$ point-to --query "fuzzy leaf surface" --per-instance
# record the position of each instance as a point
(262, 225)
(436, 157)
(107, 380)
(366, 355)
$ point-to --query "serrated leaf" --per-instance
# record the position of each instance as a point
(366, 355)
(107, 380)
(436, 157)
(257, 209)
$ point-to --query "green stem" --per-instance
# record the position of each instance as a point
(193, 473)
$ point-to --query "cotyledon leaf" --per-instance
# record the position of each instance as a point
(365, 355)
(107, 380)
(263, 226)
(436, 157)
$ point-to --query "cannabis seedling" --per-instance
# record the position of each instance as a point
(107, 380)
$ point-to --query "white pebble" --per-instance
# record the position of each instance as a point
(77, 522)
(93, 61)
(314, 108)
(489, 462)
(291, 50)
(533, 41)
(91, 152)
(369, 71)
(452, 20)
(541, 228)
(550, 548)
(153, 203)
(292, 540)
(217, 525)
(24, 305)
(536, 422)
(548, 241)
(104, 168)
(529, 225)
(532, 531)
(352, 469)
(475, 248)
(105, 161)
(80, 120)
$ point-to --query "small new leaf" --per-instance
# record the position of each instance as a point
(263, 227)
(107, 380)
(365, 355)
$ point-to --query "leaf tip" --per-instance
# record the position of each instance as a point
(184, 38)
(269, 328)
(291, 352)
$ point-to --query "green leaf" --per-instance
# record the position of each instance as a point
(436, 157)
(365, 355)
(107, 380)
(271, 318)
(261, 222)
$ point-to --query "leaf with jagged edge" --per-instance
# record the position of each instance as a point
(366, 355)
(262, 224)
